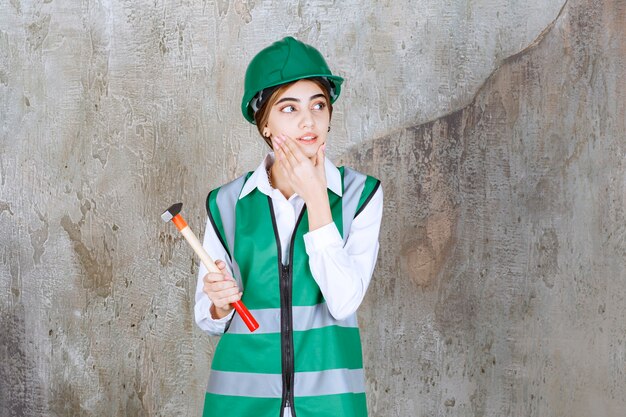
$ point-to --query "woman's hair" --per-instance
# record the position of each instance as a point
(263, 114)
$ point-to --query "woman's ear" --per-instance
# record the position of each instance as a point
(266, 132)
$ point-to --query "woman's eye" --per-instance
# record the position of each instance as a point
(319, 106)
(288, 109)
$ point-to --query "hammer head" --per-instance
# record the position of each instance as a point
(172, 211)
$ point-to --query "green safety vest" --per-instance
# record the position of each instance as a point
(300, 356)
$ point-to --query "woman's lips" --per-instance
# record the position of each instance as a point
(308, 139)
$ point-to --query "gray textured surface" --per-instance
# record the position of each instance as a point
(500, 288)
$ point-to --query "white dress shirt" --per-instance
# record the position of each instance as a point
(343, 272)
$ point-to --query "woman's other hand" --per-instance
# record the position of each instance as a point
(222, 290)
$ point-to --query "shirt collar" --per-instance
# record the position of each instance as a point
(259, 180)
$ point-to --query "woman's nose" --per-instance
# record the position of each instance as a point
(307, 120)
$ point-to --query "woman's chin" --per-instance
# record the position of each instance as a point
(311, 153)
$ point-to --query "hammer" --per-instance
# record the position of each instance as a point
(173, 214)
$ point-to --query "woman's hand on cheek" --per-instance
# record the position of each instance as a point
(306, 177)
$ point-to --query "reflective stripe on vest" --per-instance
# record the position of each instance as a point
(306, 384)
(304, 318)
(226, 200)
(353, 184)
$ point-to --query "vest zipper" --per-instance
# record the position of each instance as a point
(286, 319)
(286, 335)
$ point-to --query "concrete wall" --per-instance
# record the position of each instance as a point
(498, 132)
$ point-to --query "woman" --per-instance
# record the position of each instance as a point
(302, 276)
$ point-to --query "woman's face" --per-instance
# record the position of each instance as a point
(301, 113)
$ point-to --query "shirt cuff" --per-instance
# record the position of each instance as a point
(224, 319)
(203, 312)
(320, 239)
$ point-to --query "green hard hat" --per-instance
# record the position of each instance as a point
(285, 61)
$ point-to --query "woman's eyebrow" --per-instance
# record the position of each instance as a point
(297, 100)
(287, 99)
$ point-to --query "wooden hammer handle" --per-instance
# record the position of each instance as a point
(197, 247)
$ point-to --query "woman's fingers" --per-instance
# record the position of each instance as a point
(287, 164)
(220, 287)
(319, 160)
(218, 276)
(292, 152)
(278, 150)
(214, 277)
(232, 298)
(225, 302)
(301, 173)
(222, 293)
(294, 149)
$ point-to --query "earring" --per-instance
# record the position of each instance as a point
(329, 128)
